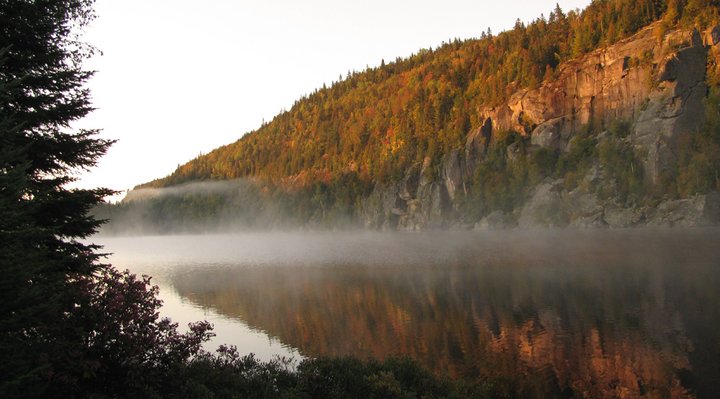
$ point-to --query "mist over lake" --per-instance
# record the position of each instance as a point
(597, 313)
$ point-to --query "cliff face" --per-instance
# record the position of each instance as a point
(654, 82)
(608, 140)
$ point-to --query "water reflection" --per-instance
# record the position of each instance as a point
(599, 315)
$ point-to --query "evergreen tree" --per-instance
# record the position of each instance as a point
(55, 333)
(42, 94)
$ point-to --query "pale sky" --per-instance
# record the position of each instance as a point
(178, 77)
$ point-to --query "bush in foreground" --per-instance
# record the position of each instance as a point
(227, 374)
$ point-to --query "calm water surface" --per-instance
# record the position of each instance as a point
(588, 314)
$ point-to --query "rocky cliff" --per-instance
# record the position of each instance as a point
(655, 81)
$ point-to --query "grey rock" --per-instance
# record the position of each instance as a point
(675, 108)
(513, 152)
(701, 210)
(548, 134)
(545, 208)
(397, 211)
(584, 208)
(593, 221)
(452, 173)
(497, 220)
(622, 217)
(583, 204)
(408, 186)
(478, 139)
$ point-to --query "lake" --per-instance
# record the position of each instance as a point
(599, 314)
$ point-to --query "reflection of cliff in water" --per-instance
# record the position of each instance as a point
(613, 317)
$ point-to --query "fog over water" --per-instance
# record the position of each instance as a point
(601, 313)
(193, 188)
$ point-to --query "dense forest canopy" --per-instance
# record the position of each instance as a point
(376, 123)
(336, 156)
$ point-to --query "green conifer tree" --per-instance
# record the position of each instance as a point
(57, 335)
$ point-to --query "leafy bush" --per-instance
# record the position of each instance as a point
(227, 374)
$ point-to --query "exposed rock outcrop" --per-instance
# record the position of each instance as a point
(496, 221)
(656, 84)
(674, 107)
(414, 203)
(617, 216)
(701, 210)
(544, 207)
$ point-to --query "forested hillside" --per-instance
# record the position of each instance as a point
(378, 122)
(336, 147)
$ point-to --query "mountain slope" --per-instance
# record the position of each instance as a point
(607, 104)
(382, 120)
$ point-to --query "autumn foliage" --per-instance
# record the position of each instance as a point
(375, 123)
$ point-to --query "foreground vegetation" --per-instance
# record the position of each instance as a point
(228, 375)
(70, 326)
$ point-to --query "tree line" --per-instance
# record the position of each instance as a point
(333, 146)
(378, 122)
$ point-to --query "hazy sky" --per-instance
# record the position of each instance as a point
(178, 78)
